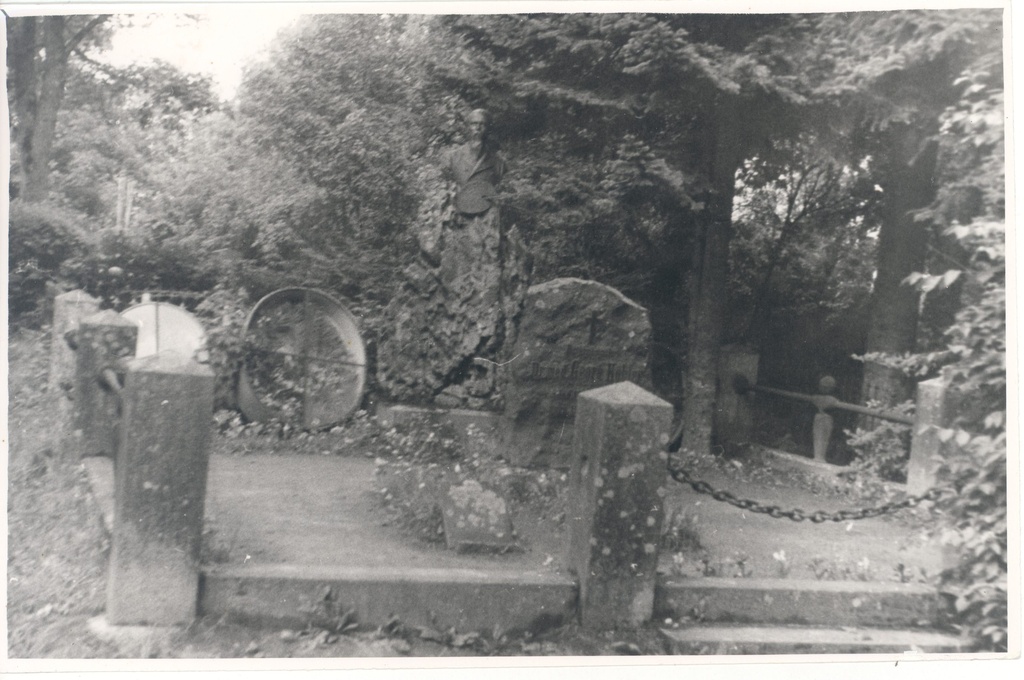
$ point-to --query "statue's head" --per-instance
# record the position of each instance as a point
(478, 120)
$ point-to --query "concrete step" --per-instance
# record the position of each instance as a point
(701, 639)
(465, 599)
(784, 601)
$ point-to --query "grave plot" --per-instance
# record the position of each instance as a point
(360, 496)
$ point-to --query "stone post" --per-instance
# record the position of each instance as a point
(734, 417)
(617, 485)
(821, 435)
(159, 490)
(104, 341)
(68, 310)
(821, 431)
(934, 410)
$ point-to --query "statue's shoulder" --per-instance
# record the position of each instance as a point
(458, 154)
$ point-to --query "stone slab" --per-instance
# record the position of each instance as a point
(573, 336)
(783, 601)
(464, 599)
(476, 519)
(799, 640)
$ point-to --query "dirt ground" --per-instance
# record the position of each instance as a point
(884, 548)
(57, 547)
(326, 510)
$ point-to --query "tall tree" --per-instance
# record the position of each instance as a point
(683, 99)
(39, 50)
(896, 74)
(118, 126)
(316, 174)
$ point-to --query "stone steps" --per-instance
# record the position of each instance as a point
(800, 602)
(742, 639)
(779, 616)
(284, 595)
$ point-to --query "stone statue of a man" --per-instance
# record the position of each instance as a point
(476, 167)
(459, 301)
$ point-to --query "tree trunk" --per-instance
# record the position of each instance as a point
(902, 247)
(53, 75)
(37, 73)
(708, 280)
(21, 36)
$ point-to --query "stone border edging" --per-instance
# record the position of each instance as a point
(804, 602)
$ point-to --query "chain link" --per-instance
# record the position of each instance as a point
(796, 514)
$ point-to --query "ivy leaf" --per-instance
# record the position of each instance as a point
(949, 277)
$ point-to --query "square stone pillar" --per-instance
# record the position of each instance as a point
(734, 416)
(68, 311)
(105, 340)
(159, 491)
(616, 508)
(934, 410)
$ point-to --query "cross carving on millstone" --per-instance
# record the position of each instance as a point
(593, 327)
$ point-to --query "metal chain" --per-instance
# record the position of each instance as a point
(796, 514)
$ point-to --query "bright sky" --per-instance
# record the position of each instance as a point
(221, 43)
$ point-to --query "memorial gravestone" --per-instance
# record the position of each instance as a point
(573, 336)
(476, 518)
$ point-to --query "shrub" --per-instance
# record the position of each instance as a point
(41, 238)
(122, 265)
(975, 467)
(880, 452)
(223, 312)
(973, 516)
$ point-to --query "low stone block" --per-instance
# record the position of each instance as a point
(476, 519)
(733, 640)
(463, 599)
(793, 602)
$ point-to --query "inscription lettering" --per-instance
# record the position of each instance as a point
(584, 369)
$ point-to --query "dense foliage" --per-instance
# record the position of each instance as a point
(40, 239)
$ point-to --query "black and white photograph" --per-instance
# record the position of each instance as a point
(667, 333)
